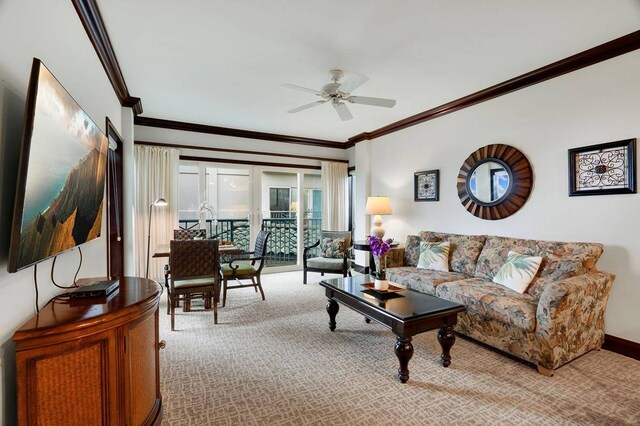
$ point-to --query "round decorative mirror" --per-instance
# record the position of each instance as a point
(495, 181)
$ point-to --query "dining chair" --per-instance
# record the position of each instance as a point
(181, 234)
(334, 257)
(246, 266)
(188, 234)
(195, 273)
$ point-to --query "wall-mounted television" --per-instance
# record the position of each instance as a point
(61, 177)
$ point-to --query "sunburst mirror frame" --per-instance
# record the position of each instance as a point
(521, 180)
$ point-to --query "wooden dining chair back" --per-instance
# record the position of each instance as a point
(195, 273)
(188, 234)
(181, 234)
(246, 266)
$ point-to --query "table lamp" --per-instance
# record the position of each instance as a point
(378, 205)
(160, 202)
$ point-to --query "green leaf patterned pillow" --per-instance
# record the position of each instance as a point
(332, 248)
(434, 256)
(518, 271)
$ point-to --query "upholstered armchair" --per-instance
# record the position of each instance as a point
(334, 257)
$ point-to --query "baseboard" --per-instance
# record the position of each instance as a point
(622, 346)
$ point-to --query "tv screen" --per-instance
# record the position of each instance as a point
(61, 179)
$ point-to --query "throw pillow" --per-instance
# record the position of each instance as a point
(434, 256)
(332, 248)
(518, 271)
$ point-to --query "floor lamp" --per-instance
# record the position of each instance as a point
(160, 202)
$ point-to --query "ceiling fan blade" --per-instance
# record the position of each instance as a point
(307, 106)
(366, 100)
(304, 89)
(352, 82)
(343, 111)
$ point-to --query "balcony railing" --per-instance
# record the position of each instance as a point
(282, 247)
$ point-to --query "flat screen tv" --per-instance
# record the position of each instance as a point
(61, 177)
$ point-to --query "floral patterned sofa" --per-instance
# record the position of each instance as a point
(558, 318)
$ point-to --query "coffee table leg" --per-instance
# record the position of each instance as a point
(447, 338)
(404, 352)
(332, 310)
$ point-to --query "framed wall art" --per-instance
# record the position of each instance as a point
(426, 185)
(608, 168)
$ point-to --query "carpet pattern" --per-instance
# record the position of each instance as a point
(276, 362)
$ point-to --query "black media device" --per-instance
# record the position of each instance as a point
(97, 289)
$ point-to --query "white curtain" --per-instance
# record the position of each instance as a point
(334, 196)
(156, 176)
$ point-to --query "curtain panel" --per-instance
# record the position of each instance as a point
(334, 196)
(156, 176)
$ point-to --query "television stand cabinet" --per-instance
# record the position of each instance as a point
(92, 361)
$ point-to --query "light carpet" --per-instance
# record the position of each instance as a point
(276, 362)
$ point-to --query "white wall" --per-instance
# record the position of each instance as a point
(52, 32)
(597, 104)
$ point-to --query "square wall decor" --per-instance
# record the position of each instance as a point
(608, 168)
(426, 185)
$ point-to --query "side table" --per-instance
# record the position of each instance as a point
(364, 246)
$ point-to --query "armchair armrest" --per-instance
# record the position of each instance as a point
(306, 251)
(566, 304)
(253, 260)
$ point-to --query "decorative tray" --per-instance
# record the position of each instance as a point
(392, 288)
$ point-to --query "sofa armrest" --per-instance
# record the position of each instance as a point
(395, 257)
(567, 304)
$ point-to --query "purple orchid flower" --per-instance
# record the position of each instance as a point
(379, 246)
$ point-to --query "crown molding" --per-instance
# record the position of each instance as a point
(237, 151)
(91, 19)
(240, 133)
(603, 52)
(248, 162)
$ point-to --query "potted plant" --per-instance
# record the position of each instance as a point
(379, 248)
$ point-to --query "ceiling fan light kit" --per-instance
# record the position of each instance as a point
(339, 93)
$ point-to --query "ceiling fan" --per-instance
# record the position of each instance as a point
(339, 93)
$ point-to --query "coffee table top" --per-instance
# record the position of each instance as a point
(412, 304)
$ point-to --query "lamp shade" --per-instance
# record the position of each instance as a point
(160, 202)
(378, 205)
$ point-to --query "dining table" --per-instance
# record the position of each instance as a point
(163, 250)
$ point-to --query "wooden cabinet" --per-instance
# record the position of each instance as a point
(92, 362)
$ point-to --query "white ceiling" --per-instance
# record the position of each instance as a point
(222, 62)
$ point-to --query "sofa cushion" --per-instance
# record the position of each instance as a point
(587, 253)
(518, 271)
(325, 263)
(555, 268)
(412, 250)
(464, 252)
(492, 301)
(422, 280)
(332, 248)
(495, 251)
(434, 256)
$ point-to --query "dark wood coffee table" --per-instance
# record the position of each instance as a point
(407, 314)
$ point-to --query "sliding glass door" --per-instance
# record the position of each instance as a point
(234, 203)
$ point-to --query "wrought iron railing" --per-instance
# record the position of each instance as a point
(282, 247)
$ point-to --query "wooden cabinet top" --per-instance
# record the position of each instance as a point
(133, 297)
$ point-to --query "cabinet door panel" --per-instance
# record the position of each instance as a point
(142, 370)
(68, 384)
